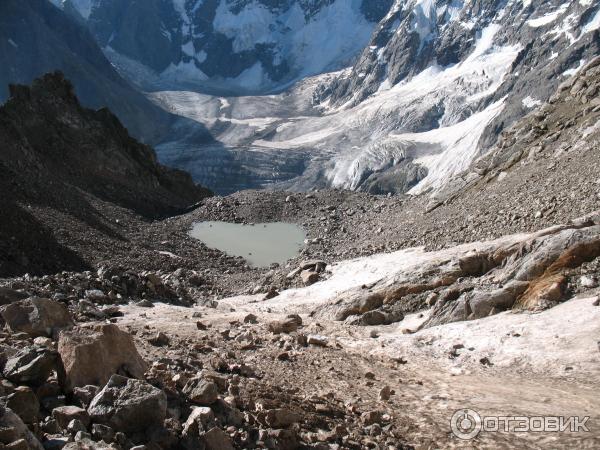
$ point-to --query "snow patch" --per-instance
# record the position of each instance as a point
(548, 18)
(530, 102)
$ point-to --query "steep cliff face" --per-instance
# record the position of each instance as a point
(467, 68)
(236, 46)
(431, 91)
(58, 156)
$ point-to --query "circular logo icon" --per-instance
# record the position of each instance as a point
(466, 424)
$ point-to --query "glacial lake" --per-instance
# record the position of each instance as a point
(260, 244)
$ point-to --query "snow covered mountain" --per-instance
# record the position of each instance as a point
(239, 46)
(432, 86)
(433, 89)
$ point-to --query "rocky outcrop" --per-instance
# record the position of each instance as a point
(522, 273)
(91, 355)
(40, 38)
(62, 157)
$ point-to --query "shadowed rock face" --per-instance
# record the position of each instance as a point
(54, 155)
(36, 38)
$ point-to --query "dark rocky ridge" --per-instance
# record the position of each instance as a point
(57, 156)
(37, 38)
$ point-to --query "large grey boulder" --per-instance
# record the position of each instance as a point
(129, 405)
(91, 355)
(14, 430)
(32, 366)
(36, 316)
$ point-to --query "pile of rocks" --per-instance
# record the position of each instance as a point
(72, 385)
(89, 294)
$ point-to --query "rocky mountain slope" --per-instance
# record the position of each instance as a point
(57, 156)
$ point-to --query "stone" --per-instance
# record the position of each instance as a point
(36, 316)
(129, 405)
(281, 418)
(287, 325)
(285, 439)
(8, 296)
(65, 414)
(55, 442)
(597, 301)
(145, 304)
(85, 394)
(373, 318)
(32, 366)
(201, 392)
(160, 340)
(217, 439)
(102, 433)
(76, 426)
(41, 341)
(200, 419)
(371, 417)
(314, 265)
(272, 293)
(24, 403)
(91, 355)
(17, 430)
(201, 326)
(588, 282)
(309, 277)
(251, 318)
(317, 340)
(385, 393)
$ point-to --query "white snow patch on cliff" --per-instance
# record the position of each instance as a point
(530, 102)
(548, 18)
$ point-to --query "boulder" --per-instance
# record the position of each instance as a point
(160, 340)
(65, 414)
(129, 405)
(484, 303)
(373, 318)
(91, 355)
(36, 316)
(309, 277)
(8, 296)
(200, 419)
(32, 365)
(251, 318)
(317, 340)
(217, 439)
(24, 403)
(13, 430)
(314, 265)
(287, 325)
(201, 392)
(281, 418)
